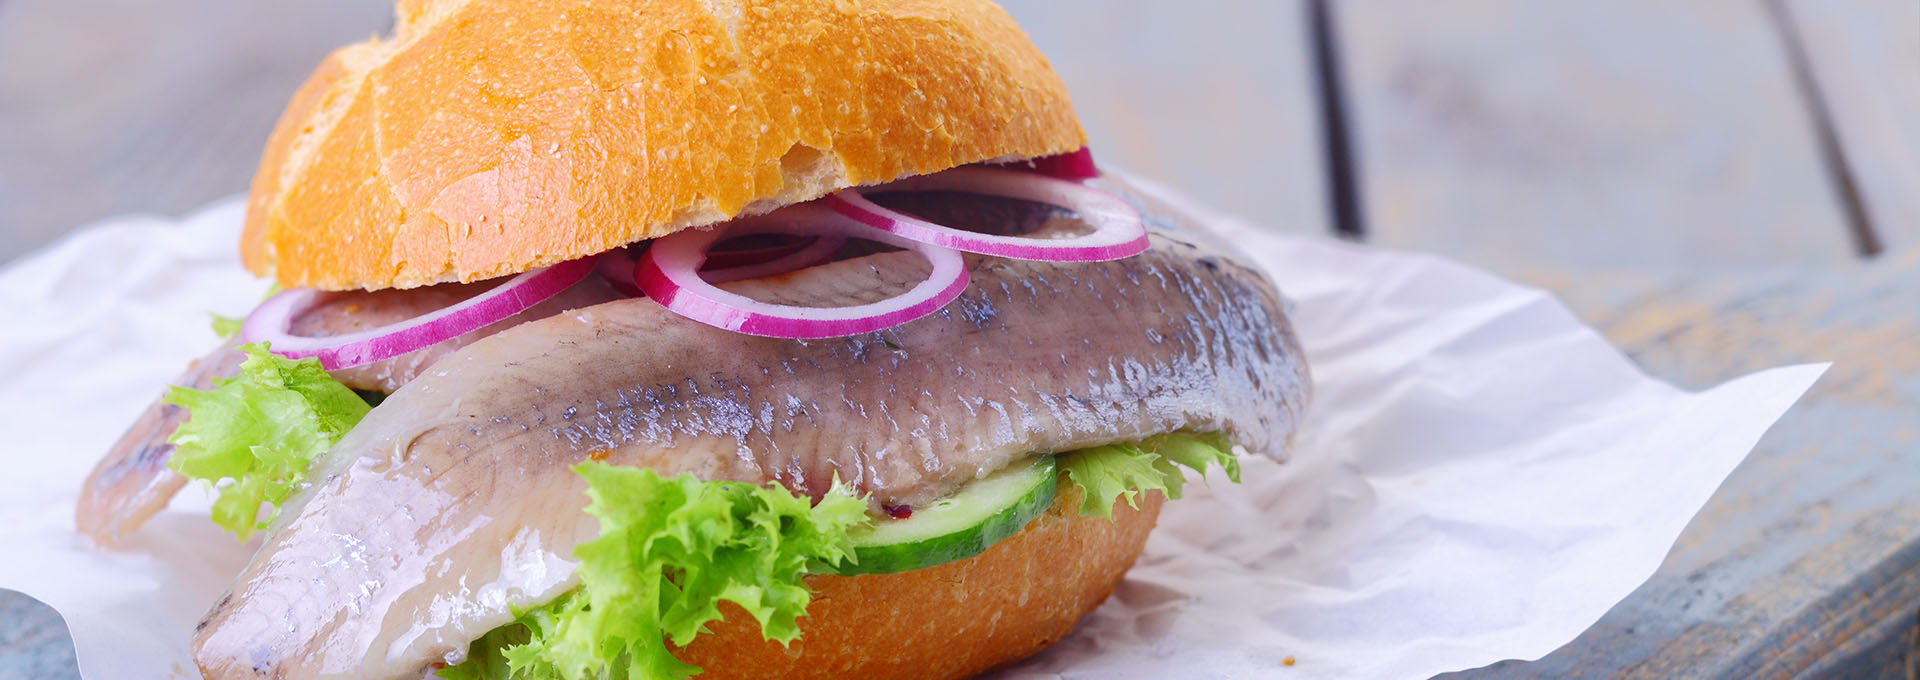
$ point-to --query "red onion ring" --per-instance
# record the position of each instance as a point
(616, 266)
(790, 258)
(669, 273)
(269, 322)
(721, 259)
(1118, 229)
(1073, 167)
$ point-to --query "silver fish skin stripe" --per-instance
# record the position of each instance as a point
(454, 502)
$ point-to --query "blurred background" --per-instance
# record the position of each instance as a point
(1718, 185)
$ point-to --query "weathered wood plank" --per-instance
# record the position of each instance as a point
(1808, 558)
(1585, 132)
(33, 640)
(1216, 98)
(113, 106)
(1865, 60)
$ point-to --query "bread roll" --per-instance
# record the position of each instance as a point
(490, 137)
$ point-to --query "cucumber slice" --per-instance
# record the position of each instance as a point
(960, 526)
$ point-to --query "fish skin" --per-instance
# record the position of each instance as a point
(454, 503)
(132, 482)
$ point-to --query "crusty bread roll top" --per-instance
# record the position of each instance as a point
(490, 137)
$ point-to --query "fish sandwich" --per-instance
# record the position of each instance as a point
(740, 339)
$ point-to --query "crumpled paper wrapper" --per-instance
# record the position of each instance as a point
(1480, 478)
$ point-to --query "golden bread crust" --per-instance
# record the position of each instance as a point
(490, 137)
(954, 620)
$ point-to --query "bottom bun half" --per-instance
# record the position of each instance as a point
(949, 621)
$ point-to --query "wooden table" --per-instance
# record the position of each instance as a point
(1719, 185)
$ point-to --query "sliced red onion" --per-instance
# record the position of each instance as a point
(1073, 166)
(1118, 230)
(616, 266)
(799, 255)
(269, 322)
(669, 274)
(735, 257)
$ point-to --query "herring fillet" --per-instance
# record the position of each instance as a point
(454, 501)
(132, 481)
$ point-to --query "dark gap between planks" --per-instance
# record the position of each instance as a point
(1833, 155)
(1343, 180)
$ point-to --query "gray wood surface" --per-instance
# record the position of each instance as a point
(116, 106)
(1864, 56)
(1216, 94)
(1586, 132)
(34, 644)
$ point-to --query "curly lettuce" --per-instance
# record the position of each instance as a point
(253, 435)
(669, 551)
(1108, 474)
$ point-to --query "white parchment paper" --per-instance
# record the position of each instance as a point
(1481, 476)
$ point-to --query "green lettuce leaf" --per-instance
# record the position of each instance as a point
(225, 326)
(252, 436)
(669, 551)
(1107, 474)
